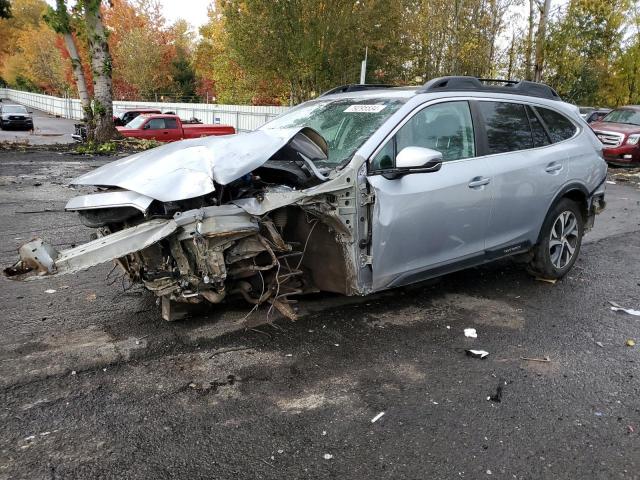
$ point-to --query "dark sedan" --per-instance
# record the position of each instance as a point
(15, 116)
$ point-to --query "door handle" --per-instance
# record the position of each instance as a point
(478, 182)
(553, 167)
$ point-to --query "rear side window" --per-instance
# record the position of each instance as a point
(560, 127)
(507, 126)
(170, 123)
(540, 137)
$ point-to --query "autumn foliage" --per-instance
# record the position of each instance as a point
(264, 52)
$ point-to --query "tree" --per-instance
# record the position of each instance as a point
(311, 45)
(540, 40)
(583, 46)
(101, 126)
(60, 21)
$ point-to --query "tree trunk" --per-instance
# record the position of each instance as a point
(78, 75)
(511, 56)
(103, 128)
(529, 46)
(540, 41)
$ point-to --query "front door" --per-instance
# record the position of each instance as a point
(424, 222)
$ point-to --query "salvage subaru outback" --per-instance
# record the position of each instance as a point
(363, 189)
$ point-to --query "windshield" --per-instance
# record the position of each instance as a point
(631, 117)
(345, 124)
(136, 122)
(14, 109)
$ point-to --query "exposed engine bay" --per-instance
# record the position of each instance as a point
(282, 229)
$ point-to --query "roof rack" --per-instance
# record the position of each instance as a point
(355, 87)
(473, 84)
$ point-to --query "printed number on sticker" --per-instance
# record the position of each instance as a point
(364, 108)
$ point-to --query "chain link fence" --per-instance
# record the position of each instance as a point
(243, 118)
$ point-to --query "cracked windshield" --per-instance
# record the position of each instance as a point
(344, 124)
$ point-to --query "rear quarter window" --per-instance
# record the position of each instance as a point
(560, 127)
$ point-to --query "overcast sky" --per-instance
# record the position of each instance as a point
(193, 11)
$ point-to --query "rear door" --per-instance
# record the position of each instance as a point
(527, 171)
(426, 221)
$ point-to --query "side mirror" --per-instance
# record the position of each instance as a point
(147, 126)
(29, 113)
(414, 160)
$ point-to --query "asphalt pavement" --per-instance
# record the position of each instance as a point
(93, 384)
(47, 129)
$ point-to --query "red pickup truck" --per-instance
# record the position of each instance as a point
(619, 133)
(169, 128)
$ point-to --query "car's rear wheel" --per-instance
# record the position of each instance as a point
(560, 241)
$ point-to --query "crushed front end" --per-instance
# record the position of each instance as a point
(266, 236)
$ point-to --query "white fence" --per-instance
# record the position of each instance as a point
(242, 117)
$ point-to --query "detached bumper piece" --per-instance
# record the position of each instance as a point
(37, 257)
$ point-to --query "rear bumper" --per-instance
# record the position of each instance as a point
(595, 204)
(625, 155)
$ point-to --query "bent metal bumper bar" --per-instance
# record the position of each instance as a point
(37, 257)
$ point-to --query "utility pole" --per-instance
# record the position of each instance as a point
(363, 67)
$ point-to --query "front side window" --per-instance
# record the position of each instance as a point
(560, 127)
(507, 126)
(155, 124)
(445, 127)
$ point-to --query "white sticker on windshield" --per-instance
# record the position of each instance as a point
(365, 108)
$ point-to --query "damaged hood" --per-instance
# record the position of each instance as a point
(189, 168)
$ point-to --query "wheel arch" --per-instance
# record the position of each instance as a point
(576, 192)
(573, 191)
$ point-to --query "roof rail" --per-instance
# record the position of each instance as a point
(473, 84)
(355, 87)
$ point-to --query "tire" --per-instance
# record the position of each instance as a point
(560, 241)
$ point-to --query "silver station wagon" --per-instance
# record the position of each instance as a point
(363, 189)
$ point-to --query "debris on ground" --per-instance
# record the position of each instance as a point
(529, 359)
(619, 308)
(470, 333)
(327, 456)
(610, 182)
(377, 417)
(552, 281)
(497, 397)
(600, 344)
(630, 343)
(477, 353)
(51, 290)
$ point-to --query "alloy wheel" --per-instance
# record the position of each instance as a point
(563, 239)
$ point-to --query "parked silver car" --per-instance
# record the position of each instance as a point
(361, 190)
